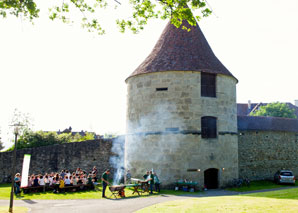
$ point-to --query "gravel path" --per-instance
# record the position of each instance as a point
(112, 205)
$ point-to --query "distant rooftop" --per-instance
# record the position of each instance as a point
(244, 109)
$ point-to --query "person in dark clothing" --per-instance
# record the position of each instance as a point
(105, 182)
(156, 183)
(17, 183)
(56, 183)
(35, 181)
(151, 181)
(146, 175)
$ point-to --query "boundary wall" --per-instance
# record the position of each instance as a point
(67, 156)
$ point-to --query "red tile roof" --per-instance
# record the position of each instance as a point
(179, 50)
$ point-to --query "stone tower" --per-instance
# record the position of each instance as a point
(181, 113)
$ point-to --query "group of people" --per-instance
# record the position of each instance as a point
(58, 180)
(152, 179)
(67, 178)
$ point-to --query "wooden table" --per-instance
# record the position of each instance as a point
(135, 187)
(144, 186)
(188, 185)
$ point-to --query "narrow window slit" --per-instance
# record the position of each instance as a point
(162, 89)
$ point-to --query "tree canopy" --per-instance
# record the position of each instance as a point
(142, 11)
(275, 110)
(31, 139)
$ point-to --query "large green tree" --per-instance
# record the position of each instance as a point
(141, 11)
(275, 110)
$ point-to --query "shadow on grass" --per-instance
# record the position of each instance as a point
(3, 185)
(29, 201)
(163, 193)
(259, 185)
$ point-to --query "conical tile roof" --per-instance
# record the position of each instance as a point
(179, 50)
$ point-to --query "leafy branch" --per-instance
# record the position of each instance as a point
(142, 12)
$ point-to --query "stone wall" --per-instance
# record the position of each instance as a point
(184, 156)
(181, 105)
(262, 153)
(164, 124)
(57, 157)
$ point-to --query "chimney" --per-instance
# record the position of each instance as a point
(296, 103)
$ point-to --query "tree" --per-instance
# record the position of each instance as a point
(31, 139)
(1, 143)
(142, 11)
(109, 135)
(23, 119)
(275, 110)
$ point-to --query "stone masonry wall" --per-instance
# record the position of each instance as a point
(262, 153)
(57, 157)
(164, 127)
(181, 105)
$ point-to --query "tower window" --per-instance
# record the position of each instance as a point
(208, 85)
(209, 129)
(162, 89)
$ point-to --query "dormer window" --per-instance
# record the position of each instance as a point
(208, 125)
(208, 85)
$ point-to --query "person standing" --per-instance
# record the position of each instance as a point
(156, 183)
(151, 181)
(17, 183)
(128, 177)
(105, 182)
(146, 175)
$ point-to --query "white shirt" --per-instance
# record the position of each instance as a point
(67, 181)
(50, 180)
(41, 182)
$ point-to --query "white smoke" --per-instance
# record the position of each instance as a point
(117, 159)
(155, 123)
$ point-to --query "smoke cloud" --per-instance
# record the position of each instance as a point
(117, 160)
(153, 138)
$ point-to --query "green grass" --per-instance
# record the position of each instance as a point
(280, 194)
(277, 201)
(16, 209)
(259, 185)
(91, 194)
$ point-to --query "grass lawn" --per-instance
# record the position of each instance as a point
(91, 194)
(277, 201)
(259, 185)
(16, 209)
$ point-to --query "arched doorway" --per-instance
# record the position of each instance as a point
(211, 178)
